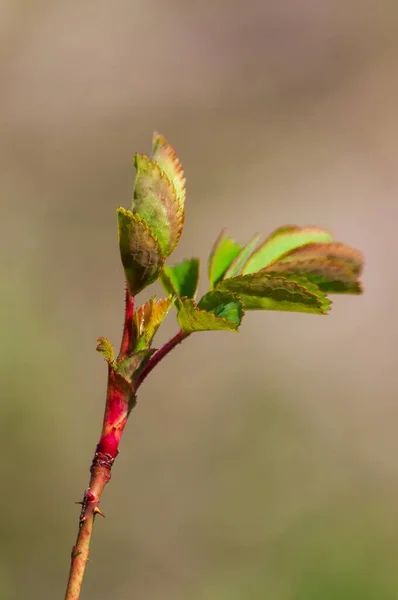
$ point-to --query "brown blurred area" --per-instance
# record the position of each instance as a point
(258, 465)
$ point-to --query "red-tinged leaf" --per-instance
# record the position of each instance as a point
(351, 257)
(263, 291)
(148, 318)
(224, 252)
(330, 275)
(165, 156)
(140, 251)
(283, 240)
(156, 202)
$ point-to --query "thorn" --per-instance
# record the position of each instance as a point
(98, 511)
(80, 502)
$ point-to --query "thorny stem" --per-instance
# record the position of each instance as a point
(120, 400)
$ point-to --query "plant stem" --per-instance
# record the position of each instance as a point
(120, 400)
(159, 355)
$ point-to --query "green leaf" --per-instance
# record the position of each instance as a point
(217, 311)
(164, 155)
(237, 264)
(140, 252)
(148, 318)
(105, 347)
(281, 241)
(223, 304)
(263, 291)
(156, 202)
(133, 365)
(223, 253)
(182, 279)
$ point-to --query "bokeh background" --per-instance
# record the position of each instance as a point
(258, 465)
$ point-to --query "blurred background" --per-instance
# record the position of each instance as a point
(258, 465)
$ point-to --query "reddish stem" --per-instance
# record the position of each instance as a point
(159, 355)
(129, 332)
(119, 402)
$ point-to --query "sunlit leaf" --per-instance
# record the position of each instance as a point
(165, 156)
(182, 279)
(156, 202)
(280, 242)
(223, 313)
(223, 253)
(140, 252)
(263, 291)
(148, 318)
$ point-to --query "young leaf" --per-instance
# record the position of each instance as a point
(223, 253)
(105, 347)
(222, 312)
(164, 155)
(148, 318)
(131, 366)
(330, 275)
(281, 241)
(237, 264)
(182, 279)
(140, 252)
(223, 304)
(156, 202)
(263, 291)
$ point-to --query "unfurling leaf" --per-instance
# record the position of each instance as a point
(156, 203)
(130, 367)
(217, 311)
(182, 279)
(148, 318)
(105, 347)
(223, 253)
(281, 241)
(140, 251)
(164, 155)
(263, 291)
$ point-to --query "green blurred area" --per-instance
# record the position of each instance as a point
(258, 465)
